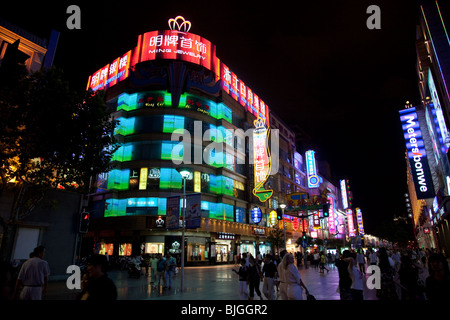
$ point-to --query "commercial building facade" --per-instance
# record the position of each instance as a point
(179, 106)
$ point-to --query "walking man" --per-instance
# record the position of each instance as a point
(33, 276)
(269, 271)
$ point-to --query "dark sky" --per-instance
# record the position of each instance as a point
(316, 64)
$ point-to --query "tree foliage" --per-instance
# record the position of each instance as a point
(276, 238)
(52, 136)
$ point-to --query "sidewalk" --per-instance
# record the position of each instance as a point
(204, 283)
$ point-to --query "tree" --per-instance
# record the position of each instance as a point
(51, 137)
(276, 238)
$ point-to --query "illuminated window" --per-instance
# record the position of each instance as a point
(170, 179)
(171, 150)
(118, 179)
(172, 122)
(125, 126)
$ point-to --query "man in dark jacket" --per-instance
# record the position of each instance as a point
(100, 286)
(345, 282)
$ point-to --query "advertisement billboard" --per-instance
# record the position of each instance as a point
(416, 153)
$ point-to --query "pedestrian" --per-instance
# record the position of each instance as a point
(293, 279)
(33, 276)
(171, 264)
(361, 261)
(388, 278)
(409, 276)
(153, 267)
(259, 258)
(99, 285)
(323, 260)
(437, 284)
(269, 272)
(6, 281)
(356, 288)
(373, 257)
(281, 277)
(316, 260)
(345, 280)
(146, 263)
(255, 278)
(243, 274)
(160, 271)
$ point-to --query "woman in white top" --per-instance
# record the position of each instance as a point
(293, 279)
(356, 288)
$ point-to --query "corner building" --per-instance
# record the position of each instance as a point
(173, 80)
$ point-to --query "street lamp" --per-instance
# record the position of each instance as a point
(282, 206)
(184, 174)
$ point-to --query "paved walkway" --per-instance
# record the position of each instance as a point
(204, 283)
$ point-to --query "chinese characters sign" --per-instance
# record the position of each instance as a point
(331, 218)
(351, 225)
(360, 221)
(311, 171)
(261, 160)
(173, 44)
(184, 46)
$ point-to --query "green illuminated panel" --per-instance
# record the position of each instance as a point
(125, 126)
(221, 211)
(171, 150)
(124, 153)
(118, 179)
(127, 102)
(172, 122)
(170, 179)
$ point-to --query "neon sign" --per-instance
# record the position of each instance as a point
(261, 160)
(256, 215)
(180, 45)
(360, 221)
(316, 220)
(344, 195)
(331, 218)
(311, 171)
(416, 153)
(273, 218)
(351, 225)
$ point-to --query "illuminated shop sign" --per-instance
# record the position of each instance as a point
(351, 225)
(111, 74)
(225, 236)
(311, 171)
(256, 215)
(360, 221)
(316, 220)
(442, 127)
(273, 218)
(261, 160)
(344, 195)
(258, 231)
(416, 153)
(180, 45)
(331, 217)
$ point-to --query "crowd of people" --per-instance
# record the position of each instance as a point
(275, 272)
(403, 274)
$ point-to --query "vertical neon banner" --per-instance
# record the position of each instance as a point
(261, 160)
(331, 218)
(143, 179)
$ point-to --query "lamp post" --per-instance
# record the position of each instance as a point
(282, 206)
(184, 174)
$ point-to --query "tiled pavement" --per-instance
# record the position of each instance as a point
(204, 283)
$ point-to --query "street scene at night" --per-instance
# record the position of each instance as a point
(237, 152)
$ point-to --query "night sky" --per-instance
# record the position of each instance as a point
(317, 65)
